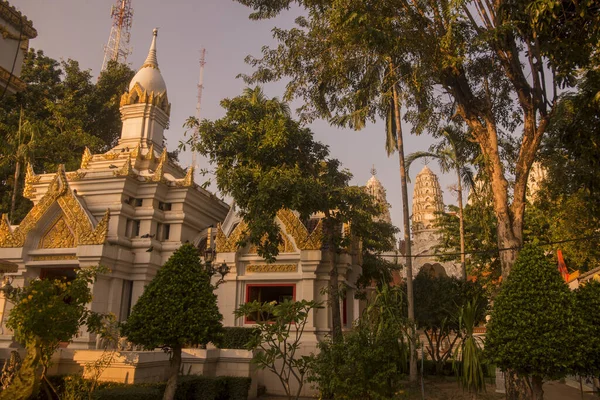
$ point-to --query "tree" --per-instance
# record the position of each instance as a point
(266, 162)
(531, 319)
(45, 313)
(177, 308)
(462, 61)
(65, 112)
(452, 155)
(280, 329)
(438, 301)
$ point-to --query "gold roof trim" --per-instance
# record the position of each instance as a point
(138, 95)
(150, 154)
(159, 173)
(75, 216)
(224, 244)
(86, 158)
(30, 179)
(126, 169)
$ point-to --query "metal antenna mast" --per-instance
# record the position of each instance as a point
(198, 104)
(117, 48)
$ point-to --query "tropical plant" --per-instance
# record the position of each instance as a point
(177, 308)
(266, 162)
(45, 313)
(587, 300)
(531, 317)
(281, 326)
(470, 369)
(452, 154)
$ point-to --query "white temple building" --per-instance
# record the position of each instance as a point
(427, 201)
(128, 209)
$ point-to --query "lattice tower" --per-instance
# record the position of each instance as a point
(198, 104)
(117, 48)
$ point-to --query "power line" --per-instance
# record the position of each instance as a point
(496, 250)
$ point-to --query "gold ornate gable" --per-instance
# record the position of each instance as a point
(303, 239)
(74, 215)
(59, 235)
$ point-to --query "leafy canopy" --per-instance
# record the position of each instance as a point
(178, 307)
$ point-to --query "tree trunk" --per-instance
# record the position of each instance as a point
(516, 386)
(13, 201)
(407, 244)
(175, 365)
(463, 265)
(536, 388)
(334, 284)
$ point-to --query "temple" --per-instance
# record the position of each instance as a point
(128, 209)
(427, 201)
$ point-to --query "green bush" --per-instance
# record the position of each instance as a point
(365, 365)
(237, 337)
(131, 392)
(237, 387)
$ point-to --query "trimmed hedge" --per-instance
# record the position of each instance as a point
(237, 337)
(131, 392)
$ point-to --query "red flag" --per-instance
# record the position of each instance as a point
(562, 267)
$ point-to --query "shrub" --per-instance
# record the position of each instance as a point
(131, 392)
(237, 337)
(365, 365)
(531, 322)
(587, 298)
(237, 387)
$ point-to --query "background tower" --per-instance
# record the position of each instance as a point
(117, 48)
(198, 105)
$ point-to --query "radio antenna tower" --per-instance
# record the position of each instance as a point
(117, 48)
(198, 104)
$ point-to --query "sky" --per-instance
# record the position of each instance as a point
(79, 29)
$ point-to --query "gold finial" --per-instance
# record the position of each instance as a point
(86, 158)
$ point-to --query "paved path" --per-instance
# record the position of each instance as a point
(561, 391)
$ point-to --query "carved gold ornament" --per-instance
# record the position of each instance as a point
(224, 244)
(135, 153)
(74, 215)
(110, 156)
(58, 236)
(295, 228)
(30, 179)
(86, 158)
(138, 95)
(54, 257)
(76, 176)
(150, 154)
(272, 268)
(126, 169)
(285, 245)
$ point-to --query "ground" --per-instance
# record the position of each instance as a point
(436, 389)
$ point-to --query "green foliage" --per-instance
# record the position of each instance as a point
(587, 304)
(438, 304)
(371, 360)
(178, 307)
(532, 320)
(237, 337)
(62, 112)
(190, 387)
(281, 326)
(471, 370)
(45, 313)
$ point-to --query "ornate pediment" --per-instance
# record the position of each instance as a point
(58, 236)
(138, 95)
(75, 217)
(303, 239)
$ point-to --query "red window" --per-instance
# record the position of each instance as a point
(265, 293)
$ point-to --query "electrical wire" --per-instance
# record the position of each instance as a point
(490, 251)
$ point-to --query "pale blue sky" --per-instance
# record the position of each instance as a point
(78, 29)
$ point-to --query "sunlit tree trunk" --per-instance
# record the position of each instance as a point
(175, 364)
(407, 244)
(13, 201)
(461, 221)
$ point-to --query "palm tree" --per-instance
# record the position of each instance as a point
(452, 154)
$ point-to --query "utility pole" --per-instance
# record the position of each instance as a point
(117, 48)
